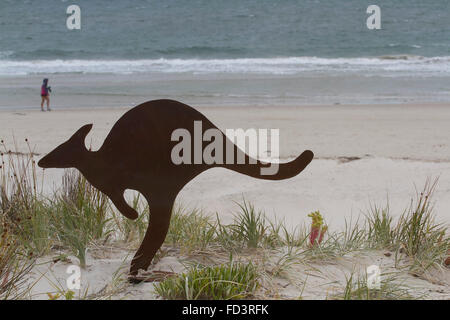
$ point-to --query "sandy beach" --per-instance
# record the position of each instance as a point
(364, 155)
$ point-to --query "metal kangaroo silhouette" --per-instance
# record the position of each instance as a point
(136, 155)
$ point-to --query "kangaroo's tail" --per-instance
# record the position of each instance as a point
(272, 171)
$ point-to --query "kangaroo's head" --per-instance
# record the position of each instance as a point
(70, 153)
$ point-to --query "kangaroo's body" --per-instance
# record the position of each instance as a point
(137, 155)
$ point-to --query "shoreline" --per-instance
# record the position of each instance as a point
(126, 90)
(235, 106)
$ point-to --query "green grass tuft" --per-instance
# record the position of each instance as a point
(80, 215)
(223, 282)
(191, 231)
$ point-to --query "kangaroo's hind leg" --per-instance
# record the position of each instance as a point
(160, 213)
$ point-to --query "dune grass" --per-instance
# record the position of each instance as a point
(223, 282)
(20, 204)
(253, 229)
(249, 226)
(191, 230)
(72, 218)
(15, 264)
(79, 216)
(415, 234)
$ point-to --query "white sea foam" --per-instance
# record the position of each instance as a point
(277, 66)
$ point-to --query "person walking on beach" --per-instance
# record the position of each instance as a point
(45, 95)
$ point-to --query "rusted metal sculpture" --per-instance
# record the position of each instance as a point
(136, 155)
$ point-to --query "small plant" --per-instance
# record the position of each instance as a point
(318, 229)
(337, 244)
(223, 282)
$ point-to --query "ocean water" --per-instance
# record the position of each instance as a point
(284, 39)
(261, 36)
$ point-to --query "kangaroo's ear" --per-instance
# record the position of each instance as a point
(81, 134)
